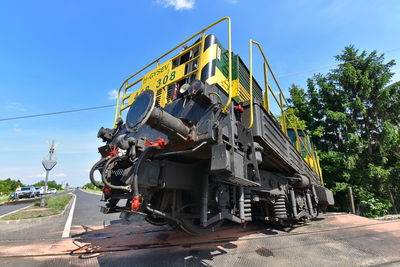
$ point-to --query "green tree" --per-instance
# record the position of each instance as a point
(353, 116)
(91, 186)
(9, 185)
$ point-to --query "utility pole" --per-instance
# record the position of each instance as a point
(351, 200)
(48, 163)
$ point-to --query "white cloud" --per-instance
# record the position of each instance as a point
(177, 4)
(39, 175)
(233, 1)
(112, 95)
(43, 175)
(15, 106)
(17, 130)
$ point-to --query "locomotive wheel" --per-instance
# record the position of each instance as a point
(156, 221)
(194, 229)
(187, 223)
(285, 225)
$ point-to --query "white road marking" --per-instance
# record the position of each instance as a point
(67, 227)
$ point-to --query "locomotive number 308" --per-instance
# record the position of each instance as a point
(164, 80)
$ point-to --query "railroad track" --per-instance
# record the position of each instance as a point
(87, 244)
(16, 202)
(29, 200)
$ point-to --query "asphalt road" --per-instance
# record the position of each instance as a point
(86, 214)
(87, 210)
(4, 209)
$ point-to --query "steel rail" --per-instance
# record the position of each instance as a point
(183, 244)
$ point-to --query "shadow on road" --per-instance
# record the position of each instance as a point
(143, 244)
(337, 239)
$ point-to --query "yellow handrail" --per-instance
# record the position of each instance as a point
(282, 101)
(251, 82)
(225, 109)
(308, 152)
(198, 75)
(251, 42)
(319, 168)
(266, 94)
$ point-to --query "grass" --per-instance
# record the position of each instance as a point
(58, 203)
(53, 206)
(5, 198)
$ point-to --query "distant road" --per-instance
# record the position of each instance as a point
(85, 215)
(87, 212)
(4, 209)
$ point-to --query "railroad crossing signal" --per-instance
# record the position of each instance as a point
(51, 160)
(48, 163)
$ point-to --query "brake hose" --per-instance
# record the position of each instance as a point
(95, 167)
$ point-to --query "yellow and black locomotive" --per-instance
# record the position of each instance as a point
(200, 145)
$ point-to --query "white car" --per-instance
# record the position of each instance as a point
(52, 191)
(27, 191)
(39, 190)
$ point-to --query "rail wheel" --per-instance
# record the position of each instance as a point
(156, 221)
(193, 227)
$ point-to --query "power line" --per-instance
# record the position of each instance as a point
(55, 113)
(107, 106)
(311, 70)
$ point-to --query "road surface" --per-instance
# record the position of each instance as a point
(96, 239)
(86, 214)
(4, 209)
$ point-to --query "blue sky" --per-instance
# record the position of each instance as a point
(60, 55)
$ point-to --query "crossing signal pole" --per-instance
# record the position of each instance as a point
(48, 163)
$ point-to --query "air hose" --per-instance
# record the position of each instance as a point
(97, 166)
(134, 186)
(107, 169)
(139, 161)
(136, 201)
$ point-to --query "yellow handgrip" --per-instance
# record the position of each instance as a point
(311, 157)
(251, 82)
(225, 109)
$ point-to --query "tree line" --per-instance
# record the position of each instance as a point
(352, 115)
(91, 186)
(9, 185)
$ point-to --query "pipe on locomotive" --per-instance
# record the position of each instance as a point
(172, 127)
(143, 111)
